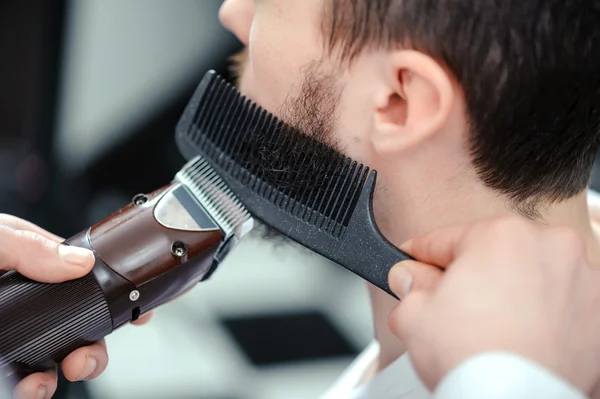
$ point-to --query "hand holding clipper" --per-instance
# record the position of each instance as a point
(147, 253)
(38, 254)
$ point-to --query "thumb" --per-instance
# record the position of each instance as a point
(40, 258)
(413, 283)
(405, 319)
(411, 276)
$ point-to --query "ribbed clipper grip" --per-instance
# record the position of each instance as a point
(40, 324)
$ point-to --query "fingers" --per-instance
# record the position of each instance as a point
(148, 316)
(412, 276)
(20, 224)
(86, 363)
(413, 283)
(143, 319)
(404, 319)
(40, 258)
(438, 248)
(37, 386)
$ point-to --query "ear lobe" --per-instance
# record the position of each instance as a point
(415, 104)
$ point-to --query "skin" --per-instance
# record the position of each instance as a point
(478, 274)
(398, 111)
(34, 252)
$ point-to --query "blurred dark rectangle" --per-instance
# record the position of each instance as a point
(18, 21)
(31, 34)
(28, 44)
(285, 338)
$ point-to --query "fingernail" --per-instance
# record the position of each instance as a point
(75, 255)
(42, 391)
(90, 367)
(405, 279)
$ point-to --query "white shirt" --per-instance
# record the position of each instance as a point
(489, 376)
(398, 380)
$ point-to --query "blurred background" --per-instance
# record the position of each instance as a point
(90, 94)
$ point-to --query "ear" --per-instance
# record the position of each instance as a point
(414, 104)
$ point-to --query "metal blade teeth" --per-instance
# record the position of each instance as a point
(214, 195)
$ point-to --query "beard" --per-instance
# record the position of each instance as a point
(314, 109)
(311, 109)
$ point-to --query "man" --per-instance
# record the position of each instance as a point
(467, 109)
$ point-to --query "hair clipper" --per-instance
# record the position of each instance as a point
(147, 253)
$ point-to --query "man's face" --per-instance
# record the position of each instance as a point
(288, 72)
(385, 109)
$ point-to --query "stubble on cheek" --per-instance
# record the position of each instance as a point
(312, 109)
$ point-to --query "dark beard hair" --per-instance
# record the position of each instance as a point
(312, 111)
(237, 63)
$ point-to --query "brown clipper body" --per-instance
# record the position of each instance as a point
(147, 253)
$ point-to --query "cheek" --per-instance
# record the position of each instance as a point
(269, 76)
(354, 125)
(280, 45)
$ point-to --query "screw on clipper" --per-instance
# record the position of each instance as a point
(134, 295)
(179, 249)
(140, 199)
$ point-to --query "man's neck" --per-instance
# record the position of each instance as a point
(454, 209)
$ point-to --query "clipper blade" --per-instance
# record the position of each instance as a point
(289, 180)
(214, 195)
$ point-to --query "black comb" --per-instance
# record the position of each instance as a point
(293, 183)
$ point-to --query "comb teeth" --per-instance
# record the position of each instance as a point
(291, 182)
(212, 192)
(293, 171)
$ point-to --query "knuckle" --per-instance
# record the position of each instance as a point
(35, 239)
(419, 246)
(393, 321)
(403, 321)
(6, 219)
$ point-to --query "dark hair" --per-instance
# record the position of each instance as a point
(530, 71)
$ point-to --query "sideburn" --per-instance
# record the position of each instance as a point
(314, 110)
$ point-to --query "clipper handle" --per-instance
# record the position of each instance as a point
(40, 324)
